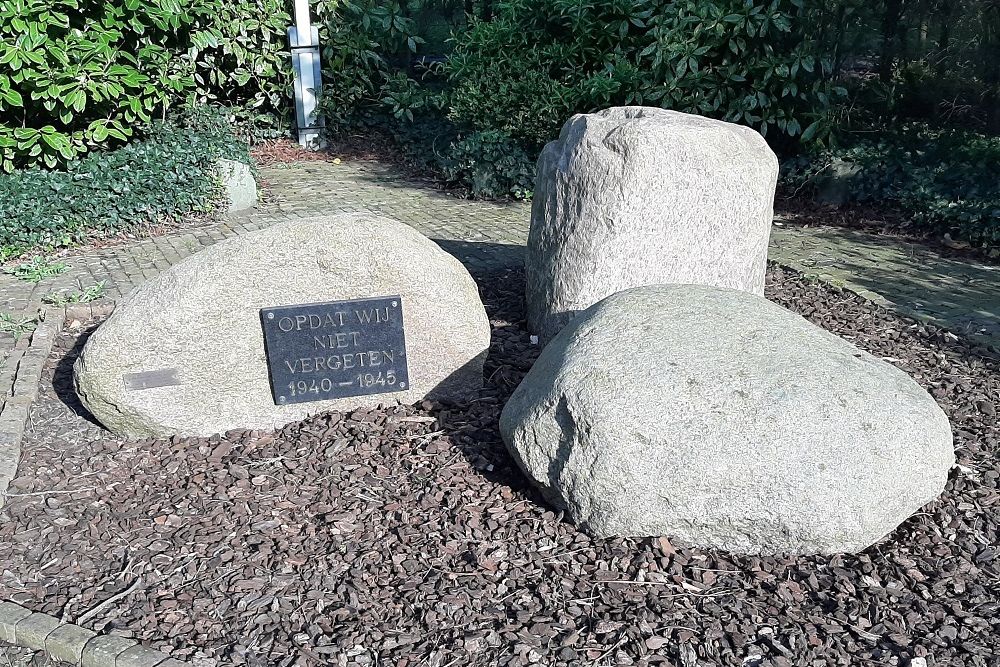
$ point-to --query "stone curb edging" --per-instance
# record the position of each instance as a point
(62, 642)
(69, 643)
(24, 372)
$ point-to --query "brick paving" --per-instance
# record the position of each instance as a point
(958, 294)
(961, 295)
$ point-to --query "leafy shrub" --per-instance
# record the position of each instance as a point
(403, 97)
(358, 39)
(491, 165)
(914, 92)
(746, 61)
(76, 75)
(240, 56)
(425, 142)
(944, 179)
(522, 101)
(168, 174)
(364, 42)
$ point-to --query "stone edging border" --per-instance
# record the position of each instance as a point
(21, 375)
(69, 643)
(63, 642)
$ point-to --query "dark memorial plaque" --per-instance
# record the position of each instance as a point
(319, 351)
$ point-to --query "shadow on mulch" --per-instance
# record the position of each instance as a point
(486, 261)
(62, 378)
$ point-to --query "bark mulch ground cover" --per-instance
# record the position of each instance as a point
(405, 536)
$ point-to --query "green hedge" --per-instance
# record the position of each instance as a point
(487, 165)
(170, 173)
(78, 75)
(753, 62)
(491, 165)
(946, 181)
(358, 40)
(511, 82)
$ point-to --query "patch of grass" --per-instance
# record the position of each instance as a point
(37, 269)
(84, 295)
(17, 327)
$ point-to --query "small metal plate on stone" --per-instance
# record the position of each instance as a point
(161, 377)
(320, 351)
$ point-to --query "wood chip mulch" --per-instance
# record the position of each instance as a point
(370, 147)
(405, 536)
(280, 151)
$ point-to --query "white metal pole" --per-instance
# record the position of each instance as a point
(304, 43)
(302, 16)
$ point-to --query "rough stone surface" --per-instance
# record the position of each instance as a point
(636, 196)
(140, 656)
(33, 630)
(66, 643)
(241, 187)
(103, 651)
(10, 615)
(719, 418)
(201, 318)
(10, 452)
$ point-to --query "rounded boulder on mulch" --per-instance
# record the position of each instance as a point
(406, 536)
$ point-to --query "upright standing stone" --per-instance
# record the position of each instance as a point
(239, 183)
(184, 353)
(635, 196)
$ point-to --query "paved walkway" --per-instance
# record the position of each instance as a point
(963, 296)
(958, 294)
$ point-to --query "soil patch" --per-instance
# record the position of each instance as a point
(406, 536)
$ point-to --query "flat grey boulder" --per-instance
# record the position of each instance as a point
(636, 196)
(196, 329)
(723, 420)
